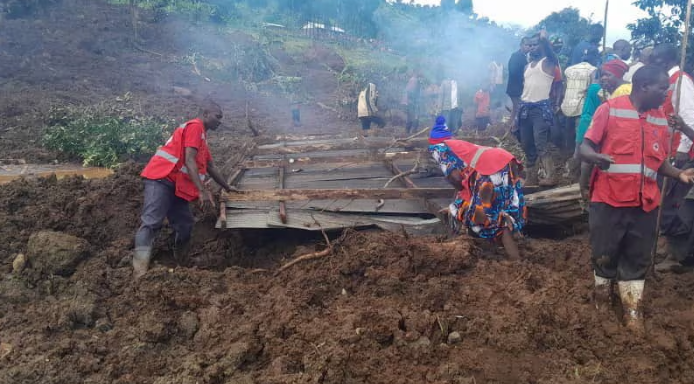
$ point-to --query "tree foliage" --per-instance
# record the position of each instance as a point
(567, 24)
(664, 24)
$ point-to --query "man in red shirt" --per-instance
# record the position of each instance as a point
(174, 177)
(482, 113)
(628, 141)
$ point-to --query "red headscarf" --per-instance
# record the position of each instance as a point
(616, 67)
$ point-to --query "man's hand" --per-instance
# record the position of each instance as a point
(676, 122)
(687, 176)
(205, 197)
(601, 160)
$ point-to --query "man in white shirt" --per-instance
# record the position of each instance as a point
(642, 59)
(672, 226)
(578, 79)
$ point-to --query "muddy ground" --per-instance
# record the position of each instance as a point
(378, 308)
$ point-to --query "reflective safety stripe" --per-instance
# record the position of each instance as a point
(477, 156)
(657, 121)
(624, 113)
(631, 169)
(184, 169)
(169, 157)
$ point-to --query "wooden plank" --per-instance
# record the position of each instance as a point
(266, 162)
(323, 194)
(232, 180)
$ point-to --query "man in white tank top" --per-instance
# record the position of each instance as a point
(536, 110)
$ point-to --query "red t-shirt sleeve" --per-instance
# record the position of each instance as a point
(192, 137)
(557, 74)
(598, 127)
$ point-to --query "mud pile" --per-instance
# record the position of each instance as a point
(380, 308)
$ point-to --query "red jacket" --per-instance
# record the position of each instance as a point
(638, 144)
(669, 109)
(169, 160)
(482, 160)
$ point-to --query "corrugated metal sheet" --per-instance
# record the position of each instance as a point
(315, 221)
(405, 207)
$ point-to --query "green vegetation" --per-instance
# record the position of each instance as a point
(104, 135)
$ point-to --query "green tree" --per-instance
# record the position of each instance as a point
(464, 6)
(664, 24)
(566, 23)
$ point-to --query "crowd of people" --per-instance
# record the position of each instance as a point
(629, 126)
(628, 121)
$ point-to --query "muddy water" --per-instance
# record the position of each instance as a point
(12, 172)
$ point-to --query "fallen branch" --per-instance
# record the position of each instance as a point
(139, 48)
(309, 256)
(313, 255)
(412, 171)
(326, 107)
(416, 135)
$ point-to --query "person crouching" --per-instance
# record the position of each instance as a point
(490, 199)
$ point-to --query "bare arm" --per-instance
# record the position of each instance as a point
(588, 152)
(455, 178)
(217, 177)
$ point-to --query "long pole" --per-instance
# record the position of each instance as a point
(685, 43)
(604, 31)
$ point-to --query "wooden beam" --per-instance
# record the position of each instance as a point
(432, 207)
(299, 160)
(233, 179)
(326, 194)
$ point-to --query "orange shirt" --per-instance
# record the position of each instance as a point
(482, 100)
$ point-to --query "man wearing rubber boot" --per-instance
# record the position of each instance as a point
(628, 142)
(675, 230)
(174, 177)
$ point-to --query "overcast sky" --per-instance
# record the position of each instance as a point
(528, 13)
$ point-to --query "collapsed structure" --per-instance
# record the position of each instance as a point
(325, 183)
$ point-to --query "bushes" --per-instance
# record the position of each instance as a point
(15, 9)
(104, 135)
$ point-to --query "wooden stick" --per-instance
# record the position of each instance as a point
(412, 171)
(283, 206)
(604, 31)
(309, 256)
(685, 43)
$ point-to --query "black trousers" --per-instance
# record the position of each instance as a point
(621, 240)
(534, 136)
(454, 118)
(366, 122)
(412, 117)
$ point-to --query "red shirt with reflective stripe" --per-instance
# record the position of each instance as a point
(194, 137)
(638, 143)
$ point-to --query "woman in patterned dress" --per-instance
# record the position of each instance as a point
(490, 199)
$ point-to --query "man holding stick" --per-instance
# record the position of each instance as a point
(672, 226)
(628, 142)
